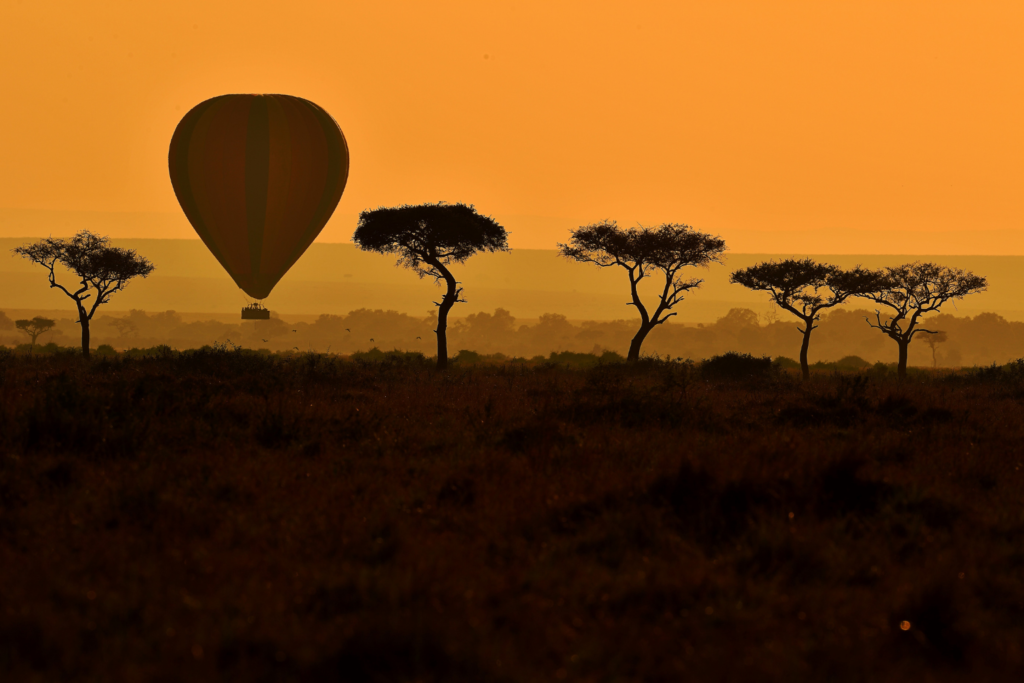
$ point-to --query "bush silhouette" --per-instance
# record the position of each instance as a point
(466, 357)
(736, 366)
(853, 363)
(784, 363)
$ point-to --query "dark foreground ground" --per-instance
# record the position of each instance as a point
(221, 516)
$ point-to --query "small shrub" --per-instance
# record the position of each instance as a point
(164, 351)
(1015, 368)
(47, 349)
(611, 357)
(881, 369)
(1012, 371)
(466, 357)
(844, 364)
(574, 360)
(736, 366)
(377, 357)
(783, 363)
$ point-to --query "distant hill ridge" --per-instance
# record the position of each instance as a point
(337, 278)
(542, 232)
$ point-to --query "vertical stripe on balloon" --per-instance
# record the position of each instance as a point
(257, 179)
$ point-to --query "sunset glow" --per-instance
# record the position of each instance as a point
(845, 119)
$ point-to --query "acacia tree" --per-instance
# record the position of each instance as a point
(428, 238)
(933, 341)
(911, 290)
(642, 251)
(125, 327)
(102, 270)
(804, 288)
(35, 327)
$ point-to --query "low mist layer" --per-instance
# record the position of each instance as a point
(983, 339)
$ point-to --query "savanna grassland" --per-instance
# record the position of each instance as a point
(222, 515)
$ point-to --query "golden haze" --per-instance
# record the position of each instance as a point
(847, 119)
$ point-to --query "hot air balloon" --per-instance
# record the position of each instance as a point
(258, 176)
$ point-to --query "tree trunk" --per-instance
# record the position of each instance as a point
(84, 320)
(901, 369)
(450, 297)
(805, 370)
(442, 336)
(638, 340)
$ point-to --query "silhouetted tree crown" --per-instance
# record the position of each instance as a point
(102, 270)
(911, 290)
(805, 288)
(428, 238)
(446, 233)
(918, 288)
(35, 327)
(667, 248)
(933, 340)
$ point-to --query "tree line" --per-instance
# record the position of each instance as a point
(977, 340)
(430, 238)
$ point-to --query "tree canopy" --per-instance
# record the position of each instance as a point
(104, 268)
(670, 246)
(916, 288)
(425, 233)
(804, 287)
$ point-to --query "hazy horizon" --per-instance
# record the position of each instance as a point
(337, 278)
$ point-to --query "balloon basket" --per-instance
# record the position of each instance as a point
(255, 312)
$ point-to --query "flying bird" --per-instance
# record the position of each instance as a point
(371, 338)
(419, 337)
(294, 330)
(347, 330)
(265, 340)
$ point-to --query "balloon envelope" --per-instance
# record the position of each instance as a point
(258, 176)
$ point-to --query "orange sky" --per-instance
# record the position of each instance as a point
(730, 116)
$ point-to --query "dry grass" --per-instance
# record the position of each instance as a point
(218, 515)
